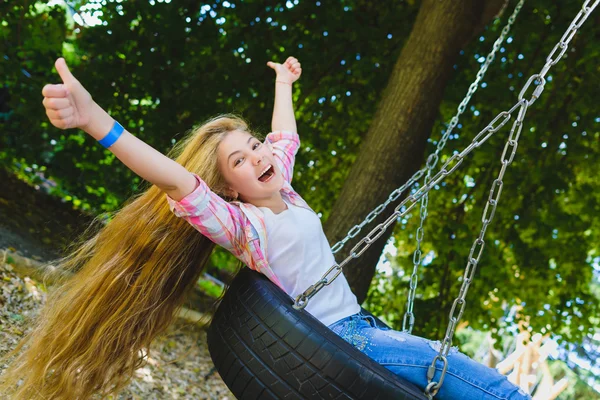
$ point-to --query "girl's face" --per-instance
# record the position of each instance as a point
(242, 159)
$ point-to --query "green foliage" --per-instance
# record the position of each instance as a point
(579, 387)
(210, 288)
(538, 247)
(161, 67)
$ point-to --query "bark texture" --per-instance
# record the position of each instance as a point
(393, 148)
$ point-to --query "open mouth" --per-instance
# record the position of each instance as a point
(267, 175)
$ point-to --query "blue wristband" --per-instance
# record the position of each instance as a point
(112, 136)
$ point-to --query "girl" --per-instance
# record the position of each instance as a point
(136, 271)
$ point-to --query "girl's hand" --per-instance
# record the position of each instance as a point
(289, 71)
(68, 105)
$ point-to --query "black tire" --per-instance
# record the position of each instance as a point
(265, 349)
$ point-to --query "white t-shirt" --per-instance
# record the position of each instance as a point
(299, 254)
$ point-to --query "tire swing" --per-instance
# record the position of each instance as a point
(265, 349)
(266, 346)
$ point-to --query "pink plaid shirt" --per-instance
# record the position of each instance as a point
(240, 227)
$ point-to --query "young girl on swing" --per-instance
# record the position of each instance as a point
(136, 271)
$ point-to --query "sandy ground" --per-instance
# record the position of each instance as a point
(179, 365)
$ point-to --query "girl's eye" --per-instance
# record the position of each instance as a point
(256, 145)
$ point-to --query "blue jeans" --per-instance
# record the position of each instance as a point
(409, 356)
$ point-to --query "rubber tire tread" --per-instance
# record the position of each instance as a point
(265, 349)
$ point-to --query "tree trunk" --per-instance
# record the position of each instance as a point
(393, 148)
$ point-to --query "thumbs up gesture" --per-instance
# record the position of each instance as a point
(68, 104)
(289, 71)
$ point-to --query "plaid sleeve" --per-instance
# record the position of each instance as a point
(284, 145)
(212, 216)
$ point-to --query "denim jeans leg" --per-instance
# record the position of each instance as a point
(409, 356)
(352, 330)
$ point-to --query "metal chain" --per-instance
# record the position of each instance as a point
(397, 193)
(394, 195)
(450, 166)
(408, 320)
(478, 244)
(407, 204)
(507, 157)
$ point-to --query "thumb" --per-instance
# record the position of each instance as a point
(271, 64)
(63, 71)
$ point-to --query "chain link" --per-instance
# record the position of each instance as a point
(433, 158)
(400, 211)
(408, 320)
(458, 306)
(373, 214)
(410, 201)
(494, 196)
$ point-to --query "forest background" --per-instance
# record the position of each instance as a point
(160, 67)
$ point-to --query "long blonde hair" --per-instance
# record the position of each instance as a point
(130, 279)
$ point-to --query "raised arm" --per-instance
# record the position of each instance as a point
(150, 164)
(283, 110)
(69, 105)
